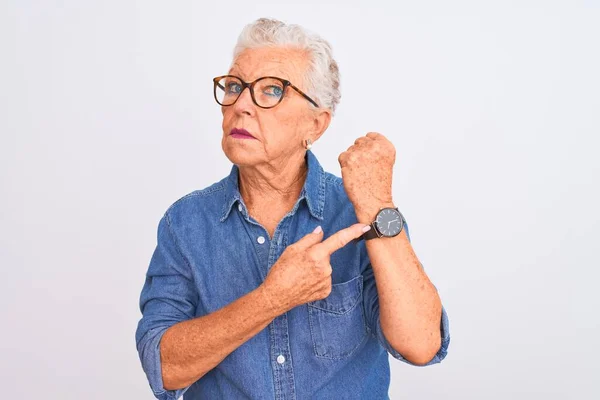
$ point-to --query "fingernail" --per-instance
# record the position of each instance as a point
(318, 229)
(366, 228)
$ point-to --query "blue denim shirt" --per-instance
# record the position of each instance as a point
(210, 252)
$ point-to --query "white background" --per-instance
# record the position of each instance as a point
(107, 117)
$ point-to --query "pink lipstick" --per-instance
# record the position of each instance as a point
(241, 134)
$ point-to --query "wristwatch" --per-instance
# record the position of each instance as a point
(389, 222)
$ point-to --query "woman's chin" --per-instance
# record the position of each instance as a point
(240, 155)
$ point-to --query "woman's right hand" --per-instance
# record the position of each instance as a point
(303, 273)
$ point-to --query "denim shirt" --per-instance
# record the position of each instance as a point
(210, 252)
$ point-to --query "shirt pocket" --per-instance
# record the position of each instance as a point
(337, 322)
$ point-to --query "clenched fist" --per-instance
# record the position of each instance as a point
(303, 273)
(367, 168)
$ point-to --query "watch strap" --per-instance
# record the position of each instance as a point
(370, 234)
(373, 233)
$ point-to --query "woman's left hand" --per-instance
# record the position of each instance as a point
(367, 168)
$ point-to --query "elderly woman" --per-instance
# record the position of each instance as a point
(283, 281)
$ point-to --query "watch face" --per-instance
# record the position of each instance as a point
(389, 222)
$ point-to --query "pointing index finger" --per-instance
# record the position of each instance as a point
(342, 238)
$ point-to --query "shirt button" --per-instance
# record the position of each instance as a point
(260, 239)
(239, 207)
(280, 359)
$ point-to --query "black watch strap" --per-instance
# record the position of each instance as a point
(370, 234)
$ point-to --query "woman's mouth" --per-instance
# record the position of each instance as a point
(241, 134)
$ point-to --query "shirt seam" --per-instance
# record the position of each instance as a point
(177, 245)
(217, 187)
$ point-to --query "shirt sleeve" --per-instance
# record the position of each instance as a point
(371, 306)
(167, 297)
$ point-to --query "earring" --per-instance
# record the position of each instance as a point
(308, 144)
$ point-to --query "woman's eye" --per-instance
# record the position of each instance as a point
(233, 87)
(273, 90)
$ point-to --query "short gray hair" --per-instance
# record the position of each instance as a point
(322, 79)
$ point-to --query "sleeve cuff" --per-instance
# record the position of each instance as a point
(437, 358)
(150, 358)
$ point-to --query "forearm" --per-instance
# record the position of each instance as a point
(409, 305)
(191, 348)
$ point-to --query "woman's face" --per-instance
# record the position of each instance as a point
(278, 132)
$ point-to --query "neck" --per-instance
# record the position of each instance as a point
(279, 182)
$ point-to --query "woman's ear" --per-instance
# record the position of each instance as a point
(322, 118)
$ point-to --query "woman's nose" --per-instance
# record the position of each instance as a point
(244, 103)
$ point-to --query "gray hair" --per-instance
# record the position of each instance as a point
(322, 79)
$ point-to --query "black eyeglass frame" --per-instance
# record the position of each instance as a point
(250, 85)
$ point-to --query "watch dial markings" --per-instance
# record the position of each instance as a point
(389, 223)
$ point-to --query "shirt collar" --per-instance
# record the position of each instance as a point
(313, 190)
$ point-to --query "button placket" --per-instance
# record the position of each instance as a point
(283, 373)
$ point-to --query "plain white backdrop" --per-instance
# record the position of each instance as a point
(107, 117)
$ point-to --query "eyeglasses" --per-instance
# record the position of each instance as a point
(266, 92)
